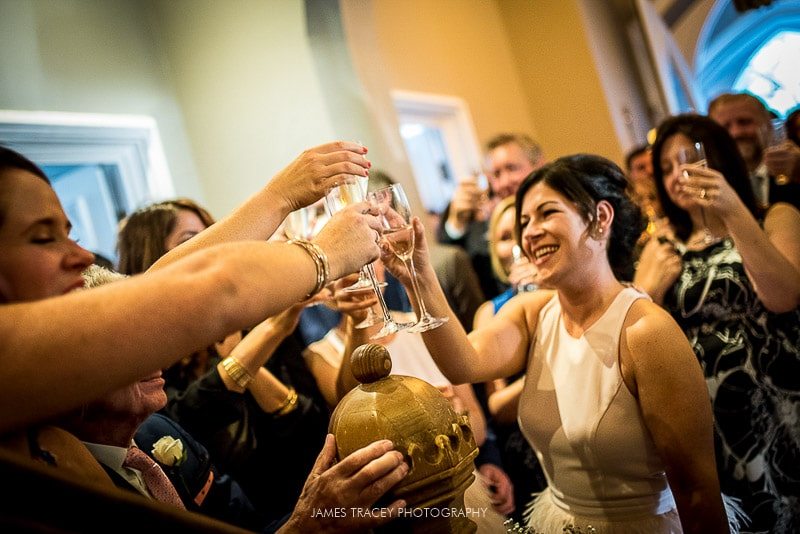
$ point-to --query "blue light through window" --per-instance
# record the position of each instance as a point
(773, 73)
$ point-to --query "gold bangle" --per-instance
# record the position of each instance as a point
(320, 263)
(288, 405)
(236, 372)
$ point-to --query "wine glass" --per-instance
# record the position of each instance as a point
(777, 136)
(695, 154)
(398, 234)
(349, 192)
(306, 222)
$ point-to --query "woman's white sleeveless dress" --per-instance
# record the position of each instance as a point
(600, 461)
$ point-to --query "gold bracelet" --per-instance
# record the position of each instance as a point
(320, 262)
(288, 405)
(236, 372)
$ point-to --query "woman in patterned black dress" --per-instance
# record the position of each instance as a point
(730, 276)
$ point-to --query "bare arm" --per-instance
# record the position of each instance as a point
(771, 256)
(258, 346)
(657, 362)
(495, 351)
(504, 403)
(301, 183)
(61, 352)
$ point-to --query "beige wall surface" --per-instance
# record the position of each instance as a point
(559, 77)
(244, 75)
(91, 56)
(237, 89)
(457, 48)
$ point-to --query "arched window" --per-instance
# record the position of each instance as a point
(773, 73)
(755, 51)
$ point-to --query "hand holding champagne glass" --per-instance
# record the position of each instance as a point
(695, 154)
(306, 222)
(398, 234)
(341, 195)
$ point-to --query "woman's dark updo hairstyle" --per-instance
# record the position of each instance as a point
(585, 180)
(10, 159)
(721, 155)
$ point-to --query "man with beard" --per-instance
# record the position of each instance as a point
(774, 171)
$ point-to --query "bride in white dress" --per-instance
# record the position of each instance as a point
(614, 400)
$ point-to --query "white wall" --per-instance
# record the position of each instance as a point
(92, 56)
(244, 76)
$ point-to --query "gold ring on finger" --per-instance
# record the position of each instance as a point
(703, 193)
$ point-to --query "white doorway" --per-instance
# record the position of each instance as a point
(101, 166)
(440, 143)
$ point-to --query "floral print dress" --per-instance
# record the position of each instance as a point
(752, 368)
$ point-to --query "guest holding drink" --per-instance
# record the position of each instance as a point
(621, 451)
(736, 299)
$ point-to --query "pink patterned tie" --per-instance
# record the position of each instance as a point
(156, 480)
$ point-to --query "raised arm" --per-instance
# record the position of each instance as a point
(771, 255)
(258, 346)
(496, 351)
(61, 352)
(660, 368)
(302, 182)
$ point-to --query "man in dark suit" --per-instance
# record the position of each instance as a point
(510, 158)
(774, 170)
(125, 437)
(123, 420)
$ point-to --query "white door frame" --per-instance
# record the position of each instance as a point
(129, 142)
(452, 115)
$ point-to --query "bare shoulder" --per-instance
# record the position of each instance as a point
(780, 216)
(527, 306)
(518, 316)
(653, 338)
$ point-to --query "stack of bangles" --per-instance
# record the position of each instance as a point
(320, 262)
(288, 405)
(236, 372)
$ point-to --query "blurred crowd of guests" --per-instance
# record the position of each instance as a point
(621, 339)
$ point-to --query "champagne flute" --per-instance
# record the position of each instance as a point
(776, 138)
(695, 154)
(306, 222)
(398, 234)
(349, 192)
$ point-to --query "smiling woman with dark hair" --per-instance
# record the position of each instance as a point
(621, 452)
(729, 273)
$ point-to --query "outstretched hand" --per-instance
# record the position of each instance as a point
(707, 188)
(421, 255)
(353, 303)
(350, 239)
(338, 497)
(316, 170)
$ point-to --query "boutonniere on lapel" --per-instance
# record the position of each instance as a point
(169, 451)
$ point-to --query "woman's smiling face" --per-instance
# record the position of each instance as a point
(554, 234)
(38, 260)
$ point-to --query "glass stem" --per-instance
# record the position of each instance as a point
(415, 286)
(373, 279)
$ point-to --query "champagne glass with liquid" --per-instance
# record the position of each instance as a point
(695, 154)
(398, 234)
(306, 222)
(352, 191)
